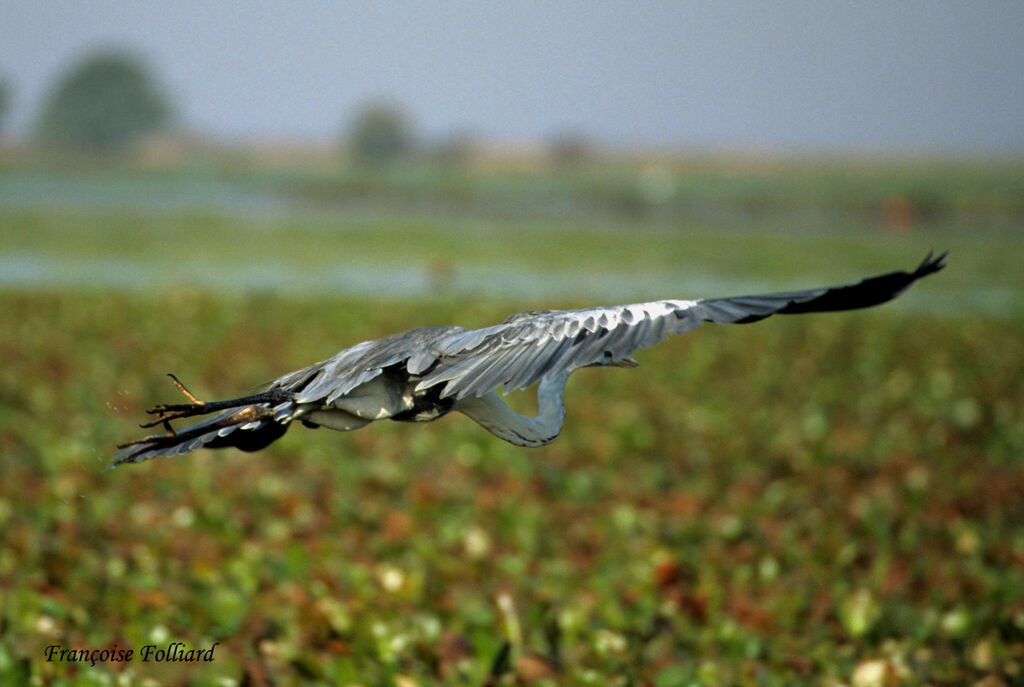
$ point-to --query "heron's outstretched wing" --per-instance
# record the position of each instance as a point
(327, 380)
(529, 345)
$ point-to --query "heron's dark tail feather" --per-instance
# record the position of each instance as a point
(250, 424)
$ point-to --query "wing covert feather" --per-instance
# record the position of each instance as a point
(329, 379)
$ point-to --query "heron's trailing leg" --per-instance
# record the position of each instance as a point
(174, 411)
(177, 410)
(171, 411)
(258, 419)
(181, 387)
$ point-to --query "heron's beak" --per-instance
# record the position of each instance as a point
(625, 362)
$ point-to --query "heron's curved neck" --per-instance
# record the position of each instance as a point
(493, 414)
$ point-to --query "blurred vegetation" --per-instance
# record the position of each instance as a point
(847, 498)
(830, 499)
(105, 102)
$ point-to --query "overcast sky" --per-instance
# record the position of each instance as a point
(876, 74)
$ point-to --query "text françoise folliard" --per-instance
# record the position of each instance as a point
(175, 652)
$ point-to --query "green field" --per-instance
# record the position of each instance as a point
(801, 501)
(586, 236)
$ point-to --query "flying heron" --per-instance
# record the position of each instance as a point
(423, 374)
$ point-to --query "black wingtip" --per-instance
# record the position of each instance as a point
(863, 294)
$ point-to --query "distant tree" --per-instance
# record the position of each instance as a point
(103, 103)
(379, 134)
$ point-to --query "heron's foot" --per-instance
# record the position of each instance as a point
(174, 411)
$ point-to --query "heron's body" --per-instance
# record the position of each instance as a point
(423, 374)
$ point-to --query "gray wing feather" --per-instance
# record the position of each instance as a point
(327, 380)
(529, 345)
(518, 352)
